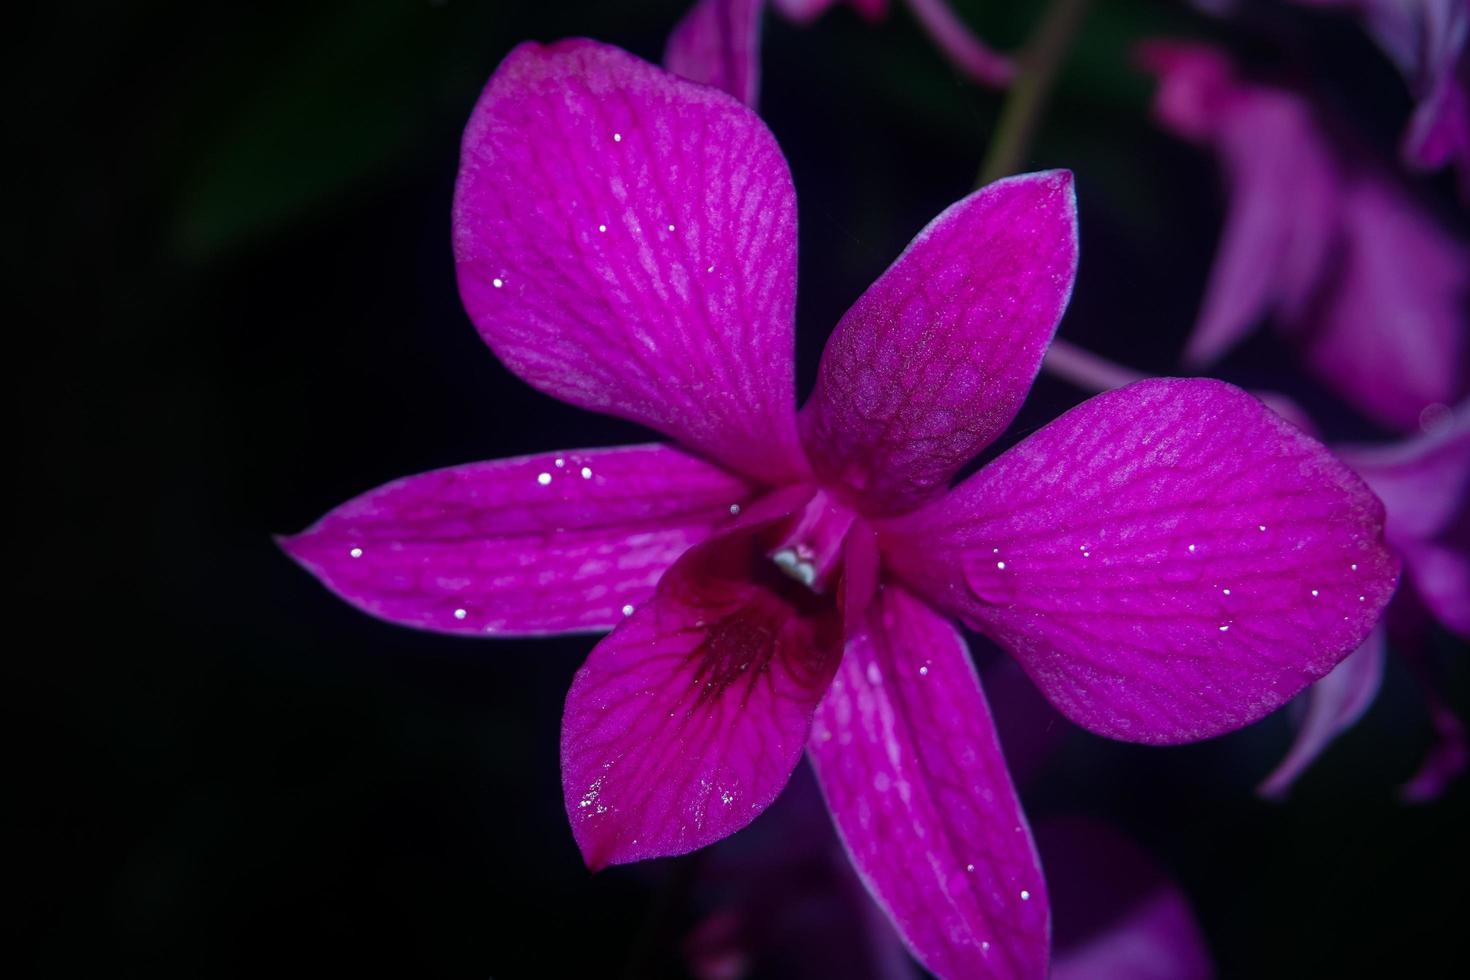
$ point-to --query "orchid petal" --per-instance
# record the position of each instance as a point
(934, 360)
(1423, 482)
(626, 241)
(1441, 576)
(1392, 335)
(960, 44)
(1118, 915)
(686, 721)
(540, 544)
(805, 11)
(718, 43)
(907, 757)
(1334, 704)
(1168, 561)
(1448, 756)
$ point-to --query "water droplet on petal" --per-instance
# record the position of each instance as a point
(628, 610)
(586, 472)
(460, 614)
(1315, 593)
(355, 552)
(1000, 565)
(923, 671)
(497, 283)
(617, 137)
(560, 463)
(1225, 628)
(1191, 549)
(734, 509)
(1025, 895)
(602, 227)
(544, 479)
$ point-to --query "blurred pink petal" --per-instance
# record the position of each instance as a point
(1333, 705)
(934, 360)
(1425, 486)
(1118, 916)
(1426, 39)
(549, 543)
(718, 43)
(1449, 754)
(616, 260)
(965, 51)
(687, 720)
(908, 760)
(1169, 561)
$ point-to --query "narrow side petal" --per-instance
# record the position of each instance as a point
(961, 46)
(934, 360)
(685, 722)
(1118, 915)
(1334, 704)
(1169, 561)
(718, 43)
(626, 241)
(539, 544)
(907, 757)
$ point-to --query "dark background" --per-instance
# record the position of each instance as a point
(230, 230)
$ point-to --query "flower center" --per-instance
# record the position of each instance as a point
(811, 550)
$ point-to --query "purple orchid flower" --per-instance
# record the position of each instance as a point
(625, 240)
(1353, 270)
(718, 41)
(1424, 483)
(1426, 39)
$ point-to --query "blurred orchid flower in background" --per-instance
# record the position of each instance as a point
(782, 900)
(1327, 245)
(1424, 483)
(1426, 40)
(718, 41)
(1168, 562)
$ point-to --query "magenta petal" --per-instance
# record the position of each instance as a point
(803, 11)
(718, 43)
(907, 757)
(685, 722)
(626, 241)
(1334, 704)
(540, 544)
(1118, 915)
(1423, 481)
(1169, 561)
(1447, 759)
(934, 360)
(1392, 335)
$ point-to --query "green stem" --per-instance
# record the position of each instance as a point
(1028, 94)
